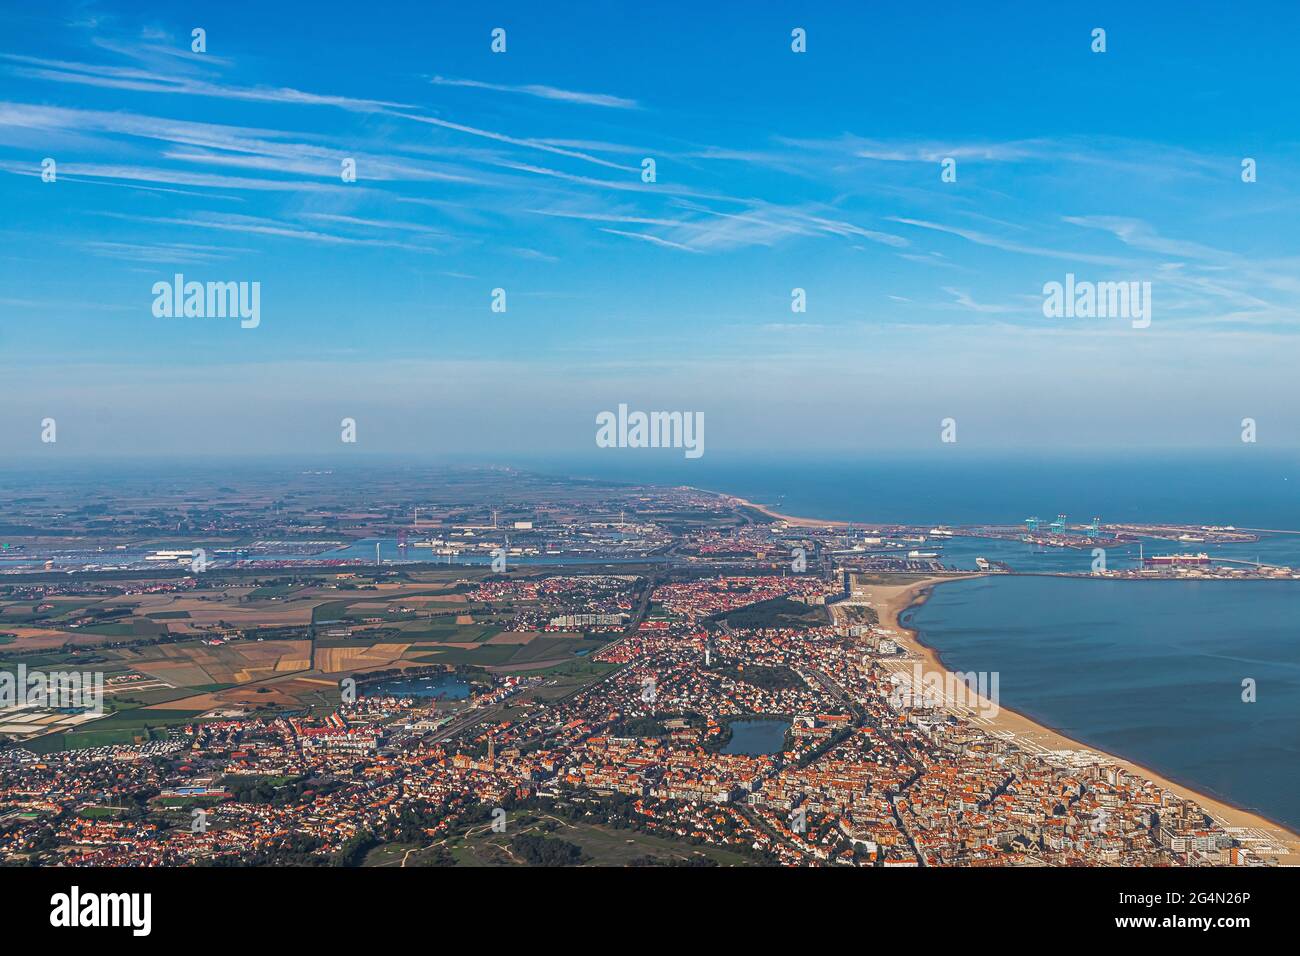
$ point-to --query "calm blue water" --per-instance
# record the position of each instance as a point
(756, 737)
(1149, 670)
(1242, 486)
(442, 687)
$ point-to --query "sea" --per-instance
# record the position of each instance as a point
(1243, 488)
(1154, 671)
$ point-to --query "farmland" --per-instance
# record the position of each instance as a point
(235, 646)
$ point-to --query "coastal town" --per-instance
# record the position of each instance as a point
(751, 698)
(799, 439)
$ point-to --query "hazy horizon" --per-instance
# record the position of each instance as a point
(956, 486)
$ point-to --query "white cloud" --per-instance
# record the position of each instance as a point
(543, 92)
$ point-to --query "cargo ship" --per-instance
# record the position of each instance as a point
(1166, 560)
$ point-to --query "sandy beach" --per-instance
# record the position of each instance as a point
(890, 600)
(791, 520)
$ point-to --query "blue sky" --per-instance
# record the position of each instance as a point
(522, 170)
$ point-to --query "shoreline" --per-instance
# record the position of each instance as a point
(899, 598)
(791, 520)
(891, 601)
(798, 522)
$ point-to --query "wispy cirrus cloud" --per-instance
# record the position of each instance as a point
(541, 91)
(1023, 248)
(381, 224)
(1141, 235)
(525, 142)
(962, 299)
(937, 152)
(146, 174)
(148, 81)
(174, 253)
(300, 159)
(647, 237)
(262, 226)
(697, 227)
(690, 211)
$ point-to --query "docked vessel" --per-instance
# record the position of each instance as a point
(1178, 559)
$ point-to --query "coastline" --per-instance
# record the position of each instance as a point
(890, 601)
(792, 520)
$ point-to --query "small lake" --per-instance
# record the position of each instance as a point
(756, 737)
(440, 686)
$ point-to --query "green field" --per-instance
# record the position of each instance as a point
(130, 627)
(539, 649)
(272, 591)
(96, 813)
(329, 611)
(487, 656)
(601, 845)
(566, 678)
(446, 633)
(777, 612)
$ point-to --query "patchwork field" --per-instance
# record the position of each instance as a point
(292, 693)
(175, 657)
(344, 660)
(194, 664)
